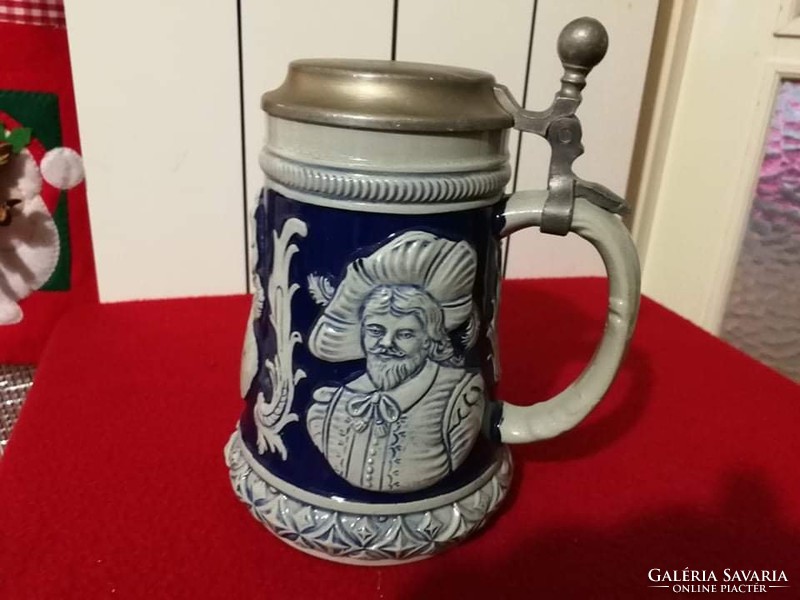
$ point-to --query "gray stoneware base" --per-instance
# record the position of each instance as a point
(374, 534)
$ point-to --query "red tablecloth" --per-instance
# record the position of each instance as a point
(114, 483)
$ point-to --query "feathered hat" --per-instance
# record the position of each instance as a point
(443, 268)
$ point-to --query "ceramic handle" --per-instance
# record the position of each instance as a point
(605, 231)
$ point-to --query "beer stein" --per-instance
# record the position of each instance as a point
(371, 432)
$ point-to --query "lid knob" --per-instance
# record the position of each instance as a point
(581, 45)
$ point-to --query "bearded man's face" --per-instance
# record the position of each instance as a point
(396, 347)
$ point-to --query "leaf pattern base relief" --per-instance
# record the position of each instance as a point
(352, 537)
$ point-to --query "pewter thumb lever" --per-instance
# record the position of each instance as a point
(582, 44)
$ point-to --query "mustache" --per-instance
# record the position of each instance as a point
(389, 351)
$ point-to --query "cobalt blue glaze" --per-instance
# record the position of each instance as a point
(335, 237)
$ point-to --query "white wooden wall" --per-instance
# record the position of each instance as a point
(168, 102)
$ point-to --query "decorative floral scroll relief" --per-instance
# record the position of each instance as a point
(249, 368)
(491, 330)
(273, 414)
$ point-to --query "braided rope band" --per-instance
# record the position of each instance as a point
(417, 188)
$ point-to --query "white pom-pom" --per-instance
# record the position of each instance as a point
(62, 168)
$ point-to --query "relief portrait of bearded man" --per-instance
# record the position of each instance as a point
(413, 415)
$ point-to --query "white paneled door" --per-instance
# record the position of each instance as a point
(172, 127)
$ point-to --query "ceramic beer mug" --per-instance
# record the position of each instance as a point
(371, 432)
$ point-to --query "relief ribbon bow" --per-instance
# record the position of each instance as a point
(378, 407)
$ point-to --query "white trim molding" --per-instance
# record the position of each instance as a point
(706, 148)
(788, 19)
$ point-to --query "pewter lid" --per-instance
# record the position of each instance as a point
(387, 95)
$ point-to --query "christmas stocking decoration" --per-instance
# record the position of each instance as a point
(46, 263)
